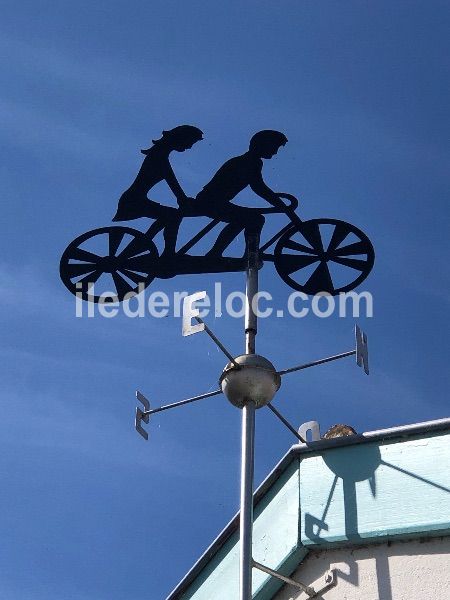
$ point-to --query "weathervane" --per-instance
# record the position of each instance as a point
(303, 254)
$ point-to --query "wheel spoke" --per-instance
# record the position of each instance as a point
(353, 263)
(293, 245)
(122, 286)
(84, 255)
(320, 280)
(292, 263)
(133, 276)
(138, 263)
(77, 269)
(339, 234)
(115, 237)
(136, 246)
(318, 269)
(311, 232)
(89, 279)
(356, 248)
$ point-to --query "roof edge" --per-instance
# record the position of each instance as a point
(369, 436)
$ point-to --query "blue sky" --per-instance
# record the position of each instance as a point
(88, 510)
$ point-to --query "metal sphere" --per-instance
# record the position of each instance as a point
(256, 380)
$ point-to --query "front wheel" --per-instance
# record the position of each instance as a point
(110, 262)
(324, 255)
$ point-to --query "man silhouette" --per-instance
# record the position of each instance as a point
(234, 176)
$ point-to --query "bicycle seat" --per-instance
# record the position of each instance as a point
(128, 211)
(119, 216)
(137, 208)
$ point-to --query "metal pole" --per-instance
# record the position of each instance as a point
(248, 430)
(251, 328)
(246, 519)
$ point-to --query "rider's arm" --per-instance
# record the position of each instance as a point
(258, 185)
(176, 188)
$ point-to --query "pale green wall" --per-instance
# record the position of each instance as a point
(396, 488)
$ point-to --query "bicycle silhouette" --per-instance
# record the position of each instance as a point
(319, 255)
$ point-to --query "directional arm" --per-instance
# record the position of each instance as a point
(182, 402)
(317, 362)
(286, 423)
(189, 313)
(144, 415)
(361, 352)
(218, 342)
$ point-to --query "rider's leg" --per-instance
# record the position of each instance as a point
(224, 239)
(168, 219)
(170, 234)
(239, 218)
(155, 228)
(253, 229)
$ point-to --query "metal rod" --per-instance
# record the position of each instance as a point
(248, 429)
(218, 342)
(317, 362)
(251, 319)
(308, 590)
(182, 402)
(286, 423)
(246, 514)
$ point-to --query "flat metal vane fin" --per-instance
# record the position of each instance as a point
(189, 313)
(362, 349)
(141, 416)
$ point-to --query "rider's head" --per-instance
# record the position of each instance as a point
(267, 143)
(180, 138)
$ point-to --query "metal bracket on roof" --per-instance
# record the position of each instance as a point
(329, 580)
(313, 427)
(308, 590)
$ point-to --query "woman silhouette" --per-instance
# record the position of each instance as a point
(134, 203)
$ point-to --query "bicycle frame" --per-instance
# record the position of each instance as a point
(294, 221)
(157, 226)
(142, 263)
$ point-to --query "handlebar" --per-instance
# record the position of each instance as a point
(292, 200)
(288, 208)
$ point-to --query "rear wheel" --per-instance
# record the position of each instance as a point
(110, 262)
(324, 255)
